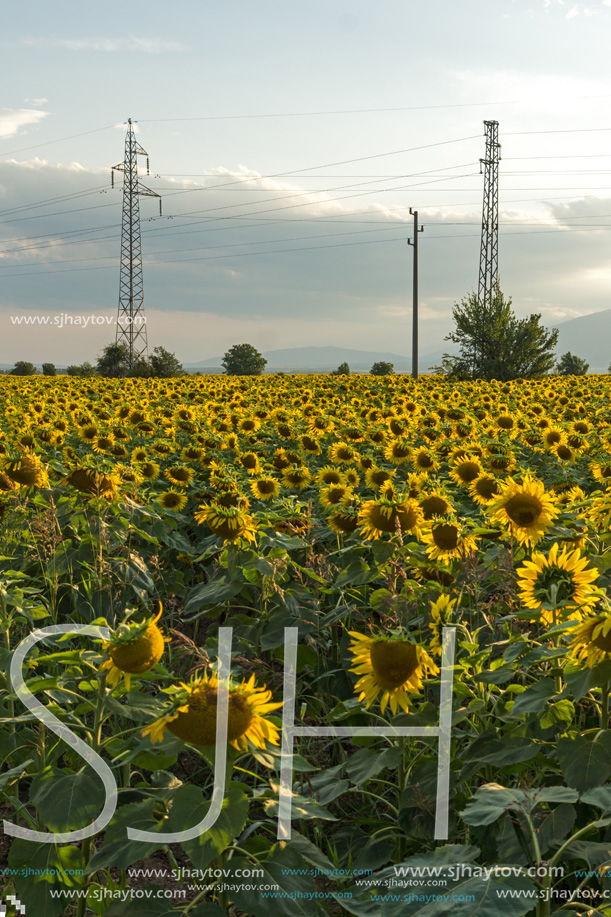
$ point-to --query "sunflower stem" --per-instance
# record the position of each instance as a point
(604, 707)
(402, 778)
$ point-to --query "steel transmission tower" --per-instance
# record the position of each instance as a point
(131, 320)
(489, 252)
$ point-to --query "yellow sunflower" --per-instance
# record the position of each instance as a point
(194, 720)
(379, 517)
(392, 668)
(227, 522)
(465, 470)
(591, 641)
(525, 508)
(558, 579)
(296, 476)
(179, 474)
(172, 499)
(446, 539)
(27, 471)
(334, 494)
(441, 613)
(133, 649)
(485, 489)
(265, 488)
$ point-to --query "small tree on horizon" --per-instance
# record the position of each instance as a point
(48, 369)
(83, 369)
(113, 362)
(342, 370)
(494, 344)
(23, 368)
(382, 368)
(570, 365)
(243, 360)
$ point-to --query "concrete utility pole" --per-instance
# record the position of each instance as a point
(415, 294)
(131, 320)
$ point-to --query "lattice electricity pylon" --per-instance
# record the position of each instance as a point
(489, 252)
(131, 320)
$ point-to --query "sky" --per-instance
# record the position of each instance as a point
(271, 125)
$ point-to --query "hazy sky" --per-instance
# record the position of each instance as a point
(270, 126)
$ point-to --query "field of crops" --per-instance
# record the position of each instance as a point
(382, 518)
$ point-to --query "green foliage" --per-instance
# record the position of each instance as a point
(48, 369)
(382, 368)
(23, 368)
(342, 370)
(83, 369)
(243, 360)
(114, 361)
(494, 344)
(570, 365)
(161, 364)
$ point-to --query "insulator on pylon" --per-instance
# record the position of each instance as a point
(148, 171)
(160, 212)
(112, 178)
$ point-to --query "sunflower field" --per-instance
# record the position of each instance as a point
(236, 614)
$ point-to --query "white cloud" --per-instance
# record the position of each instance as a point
(12, 119)
(574, 11)
(133, 43)
(41, 101)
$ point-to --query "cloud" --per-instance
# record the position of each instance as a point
(133, 43)
(12, 119)
(41, 101)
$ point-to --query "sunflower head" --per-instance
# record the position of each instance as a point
(228, 522)
(525, 508)
(392, 668)
(441, 613)
(558, 585)
(591, 643)
(388, 515)
(193, 715)
(133, 649)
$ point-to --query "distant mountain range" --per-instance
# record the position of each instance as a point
(324, 359)
(588, 337)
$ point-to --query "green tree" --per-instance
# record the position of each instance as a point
(23, 368)
(83, 369)
(382, 368)
(48, 369)
(164, 364)
(342, 370)
(570, 365)
(494, 344)
(114, 361)
(243, 360)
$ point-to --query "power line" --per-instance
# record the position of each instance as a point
(59, 140)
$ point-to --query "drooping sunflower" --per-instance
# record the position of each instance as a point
(441, 613)
(193, 716)
(296, 476)
(525, 508)
(133, 649)
(95, 483)
(393, 668)
(563, 573)
(27, 471)
(425, 460)
(342, 452)
(228, 522)
(379, 517)
(250, 462)
(591, 641)
(446, 538)
(148, 470)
